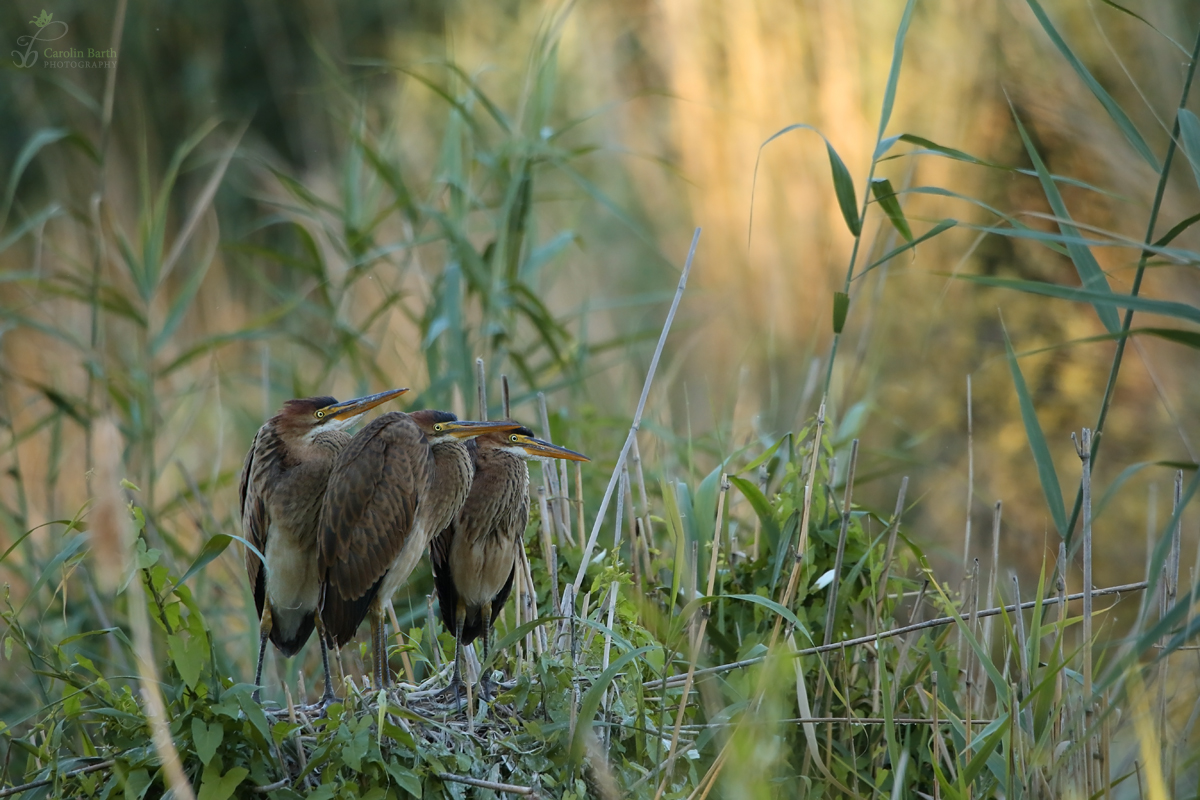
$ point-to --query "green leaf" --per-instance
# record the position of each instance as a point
(188, 655)
(841, 306)
(760, 504)
(1189, 133)
(762, 459)
(591, 701)
(215, 786)
(1167, 308)
(404, 777)
(1170, 235)
(941, 227)
(1037, 443)
(1114, 110)
(206, 738)
(213, 548)
(136, 784)
(885, 195)
(1090, 274)
(889, 94)
(843, 187)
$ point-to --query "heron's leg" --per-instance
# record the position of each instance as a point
(377, 648)
(327, 696)
(460, 617)
(485, 676)
(264, 632)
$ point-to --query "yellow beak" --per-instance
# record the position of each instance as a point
(541, 449)
(469, 430)
(359, 405)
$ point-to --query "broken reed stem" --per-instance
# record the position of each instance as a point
(894, 528)
(698, 640)
(802, 538)
(550, 478)
(548, 548)
(505, 403)
(24, 787)
(1085, 458)
(482, 784)
(637, 415)
(972, 623)
(990, 597)
(481, 389)
(404, 659)
(970, 499)
(1167, 595)
(1022, 649)
(635, 544)
(431, 627)
(1061, 588)
(539, 633)
(933, 703)
(838, 562)
(902, 631)
(579, 503)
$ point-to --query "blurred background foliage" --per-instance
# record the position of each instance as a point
(284, 200)
(418, 183)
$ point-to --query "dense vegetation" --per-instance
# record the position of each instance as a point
(706, 614)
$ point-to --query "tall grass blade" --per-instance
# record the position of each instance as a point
(1166, 308)
(1114, 110)
(1189, 134)
(1037, 443)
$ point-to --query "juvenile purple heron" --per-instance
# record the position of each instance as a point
(399, 482)
(282, 489)
(474, 558)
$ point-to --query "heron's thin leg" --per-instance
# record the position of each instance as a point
(326, 696)
(264, 632)
(460, 617)
(485, 677)
(376, 649)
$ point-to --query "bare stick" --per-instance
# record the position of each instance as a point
(431, 625)
(504, 397)
(481, 389)
(970, 498)
(11, 790)
(637, 415)
(495, 787)
(891, 545)
(697, 641)
(547, 541)
(579, 502)
(831, 612)
(991, 589)
(404, 659)
(1022, 649)
(550, 478)
(906, 629)
(1085, 457)
(802, 539)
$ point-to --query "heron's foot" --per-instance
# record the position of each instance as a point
(487, 689)
(455, 692)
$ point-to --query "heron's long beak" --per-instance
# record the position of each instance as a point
(359, 405)
(469, 430)
(540, 449)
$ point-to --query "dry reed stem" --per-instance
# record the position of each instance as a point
(916, 626)
(482, 784)
(839, 559)
(637, 415)
(802, 539)
(697, 641)
(548, 548)
(894, 528)
(933, 700)
(970, 498)
(550, 477)
(531, 609)
(505, 397)
(404, 659)
(25, 787)
(579, 503)
(431, 627)
(1085, 457)
(481, 391)
(994, 567)
(1167, 595)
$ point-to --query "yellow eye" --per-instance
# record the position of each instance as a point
(438, 427)
(513, 438)
(320, 415)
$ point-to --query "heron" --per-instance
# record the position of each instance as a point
(281, 492)
(399, 482)
(475, 557)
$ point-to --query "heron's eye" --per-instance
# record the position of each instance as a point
(320, 415)
(513, 438)
(438, 427)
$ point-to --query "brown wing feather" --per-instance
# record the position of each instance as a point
(370, 507)
(255, 524)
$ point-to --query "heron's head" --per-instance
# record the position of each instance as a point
(309, 416)
(442, 426)
(521, 442)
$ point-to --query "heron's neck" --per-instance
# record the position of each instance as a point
(452, 474)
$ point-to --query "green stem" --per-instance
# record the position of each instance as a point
(1137, 280)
